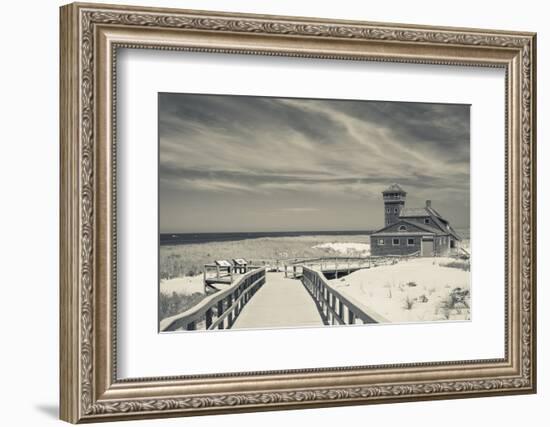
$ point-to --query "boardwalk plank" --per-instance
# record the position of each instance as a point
(280, 302)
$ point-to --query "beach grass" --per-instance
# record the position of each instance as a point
(175, 303)
(189, 260)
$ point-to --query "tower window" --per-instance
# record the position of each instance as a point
(387, 210)
(395, 242)
(426, 220)
(394, 210)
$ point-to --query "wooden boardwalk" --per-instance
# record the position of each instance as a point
(280, 302)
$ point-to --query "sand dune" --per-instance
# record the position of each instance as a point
(409, 291)
(345, 248)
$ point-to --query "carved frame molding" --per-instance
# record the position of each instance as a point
(90, 36)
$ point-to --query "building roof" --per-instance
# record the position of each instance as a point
(394, 188)
(429, 212)
(427, 229)
(439, 226)
(408, 212)
(401, 234)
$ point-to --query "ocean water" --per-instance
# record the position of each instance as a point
(193, 238)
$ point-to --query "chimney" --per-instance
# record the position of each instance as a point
(428, 203)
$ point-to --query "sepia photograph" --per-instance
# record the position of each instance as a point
(291, 212)
(262, 212)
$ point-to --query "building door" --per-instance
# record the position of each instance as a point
(427, 247)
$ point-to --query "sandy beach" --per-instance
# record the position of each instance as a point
(424, 284)
(415, 290)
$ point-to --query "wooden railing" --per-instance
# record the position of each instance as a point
(345, 264)
(220, 310)
(335, 308)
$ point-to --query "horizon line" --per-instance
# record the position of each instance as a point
(278, 231)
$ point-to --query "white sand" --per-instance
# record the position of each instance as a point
(183, 285)
(465, 244)
(362, 249)
(385, 290)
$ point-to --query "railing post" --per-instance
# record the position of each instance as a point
(318, 288)
(324, 298)
(351, 317)
(230, 317)
(208, 318)
(220, 313)
(329, 308)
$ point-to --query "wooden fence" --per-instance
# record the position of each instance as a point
(335, 308)
(214, 273)
(346, 265)
(220, 310)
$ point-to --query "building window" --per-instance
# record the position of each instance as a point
(395, 242)
(387, 210)
(394, 210)
(402, 228)
(410, 242)
(426, 220)
(381, 242)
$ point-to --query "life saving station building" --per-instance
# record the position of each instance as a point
(410, 230)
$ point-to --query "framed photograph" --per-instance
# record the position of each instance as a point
(266, 212)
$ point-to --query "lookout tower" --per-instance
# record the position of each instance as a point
(394, 201)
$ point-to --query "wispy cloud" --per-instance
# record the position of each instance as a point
(255, 148)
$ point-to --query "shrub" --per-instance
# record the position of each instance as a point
(193, 270)
(172, 304)
(457, 298)
(409, 303)
(422, 298)
(460, 264)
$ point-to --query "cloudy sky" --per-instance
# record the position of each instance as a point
(238, 163)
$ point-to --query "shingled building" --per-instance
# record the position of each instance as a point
(410, 230)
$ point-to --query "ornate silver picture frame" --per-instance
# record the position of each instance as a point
(91, 37)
